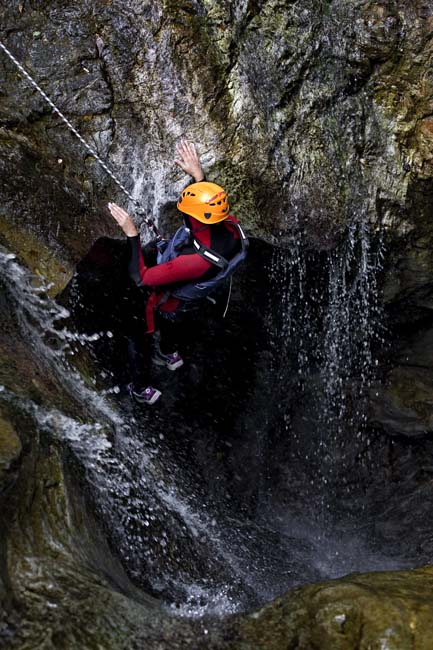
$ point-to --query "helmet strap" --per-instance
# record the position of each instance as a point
(187, 221)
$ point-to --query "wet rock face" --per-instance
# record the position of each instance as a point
(313, 118)
(347, 615)
(402, 403)
(60, 584)
(308, 115)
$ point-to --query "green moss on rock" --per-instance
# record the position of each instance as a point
(391, 610)
(10, 447)
(36, 255)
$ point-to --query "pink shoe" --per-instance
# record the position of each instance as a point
(147, 395)
(171, 361)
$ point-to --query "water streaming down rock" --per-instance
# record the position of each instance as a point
(339, 91)
(326, 333)
(159, 516)
(175, 541)
(352, 327)
(131, 481)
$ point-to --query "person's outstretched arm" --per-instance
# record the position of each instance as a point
(181, 269)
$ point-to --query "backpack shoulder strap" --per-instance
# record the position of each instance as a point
(210, 255)
(215, 258)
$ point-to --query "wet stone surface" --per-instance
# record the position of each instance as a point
(295, 444)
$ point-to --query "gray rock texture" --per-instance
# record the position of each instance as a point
(315, 116)
(306, 115)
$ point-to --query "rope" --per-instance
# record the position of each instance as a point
(24, 72)
(228, 298)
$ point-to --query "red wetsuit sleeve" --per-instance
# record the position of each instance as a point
(181, 269)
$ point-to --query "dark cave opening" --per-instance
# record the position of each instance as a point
(301, 494)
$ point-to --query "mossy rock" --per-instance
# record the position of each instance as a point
(360, 612)
(10, 451)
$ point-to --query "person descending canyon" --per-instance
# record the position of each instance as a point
(179, 273)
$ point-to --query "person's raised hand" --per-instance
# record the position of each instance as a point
(189, 161)
(123, 219)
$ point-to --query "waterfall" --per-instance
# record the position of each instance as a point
(178, 540)
(325, 331)
(158, 521)
(175, 541)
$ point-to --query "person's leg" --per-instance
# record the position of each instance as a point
(140, 347)
(139, 356)
(140, 344)
(166, 350)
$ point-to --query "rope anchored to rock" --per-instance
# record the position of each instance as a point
(138, 209)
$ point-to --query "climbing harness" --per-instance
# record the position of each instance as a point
(191, 293)
(138, 209)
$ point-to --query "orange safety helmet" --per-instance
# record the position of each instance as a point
(206, 202)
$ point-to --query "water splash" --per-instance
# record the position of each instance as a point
(352, 327)
(325, 327)
(169, 534)
(177, 542)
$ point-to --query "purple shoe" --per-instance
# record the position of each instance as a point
(147, 395)
(171, 361)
